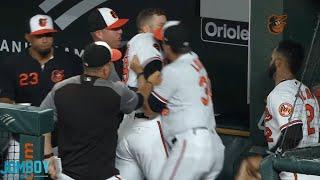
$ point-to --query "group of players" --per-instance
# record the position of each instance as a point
(172, 136)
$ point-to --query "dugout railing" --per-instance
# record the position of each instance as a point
(22, 141)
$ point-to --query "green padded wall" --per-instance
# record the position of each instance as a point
(262, 43)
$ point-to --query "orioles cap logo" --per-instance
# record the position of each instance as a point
(42, 22)
(113, 14)
(277, 23)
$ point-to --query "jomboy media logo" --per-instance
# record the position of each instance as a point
(225, 31)
(25, 168)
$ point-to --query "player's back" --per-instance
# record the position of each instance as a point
(306, 109)
(190, 106)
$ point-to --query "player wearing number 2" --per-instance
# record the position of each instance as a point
(300, 118)
(292, 111)
(184, 99)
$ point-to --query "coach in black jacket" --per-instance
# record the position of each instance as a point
(86, 112)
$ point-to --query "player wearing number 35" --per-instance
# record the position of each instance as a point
(183, 98)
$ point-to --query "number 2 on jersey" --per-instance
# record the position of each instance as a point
(310, 117)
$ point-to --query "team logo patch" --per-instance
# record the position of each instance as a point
(57, 76)
(113, 14)
(277, 23)
(43, 22)
(285, 109)
(268, 116)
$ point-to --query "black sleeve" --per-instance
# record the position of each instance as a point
(140, 101)
(291, 138)
(153, 66)
(7, 80)
(155, 104)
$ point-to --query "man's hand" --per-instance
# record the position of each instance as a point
(155, 78)
(6, 100)
(135, 65)
(52, 168)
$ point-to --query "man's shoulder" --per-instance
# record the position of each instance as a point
(170, 69)
(282, 93)
(141, 38)
(71, 80)
(15, 58)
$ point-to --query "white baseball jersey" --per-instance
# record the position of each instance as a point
(141, 151)
(186, 90)
(280, 106)
(146, 48)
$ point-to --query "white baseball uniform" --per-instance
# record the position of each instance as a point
(280, 106)
(141, 150)
(188, 122)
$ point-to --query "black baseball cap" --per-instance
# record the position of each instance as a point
(173, 33)
(102, 18)
(98, 54)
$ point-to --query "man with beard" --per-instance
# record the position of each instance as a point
(291, 114)
(29, 76)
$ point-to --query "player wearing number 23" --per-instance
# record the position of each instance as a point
(29, 76)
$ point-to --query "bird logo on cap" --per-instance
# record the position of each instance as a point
(42, 22)
(113, 14)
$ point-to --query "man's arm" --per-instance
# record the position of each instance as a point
(152, 73)
(290, 138)
(6, 100)
(130, 100)
(6, 84)
(289, 120)
(48, 103)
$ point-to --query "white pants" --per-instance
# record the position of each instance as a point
(141, 151)
(66, 177)
(295, 176)
(195, 154)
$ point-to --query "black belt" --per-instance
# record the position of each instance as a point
(174, 139)
(141, 115)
